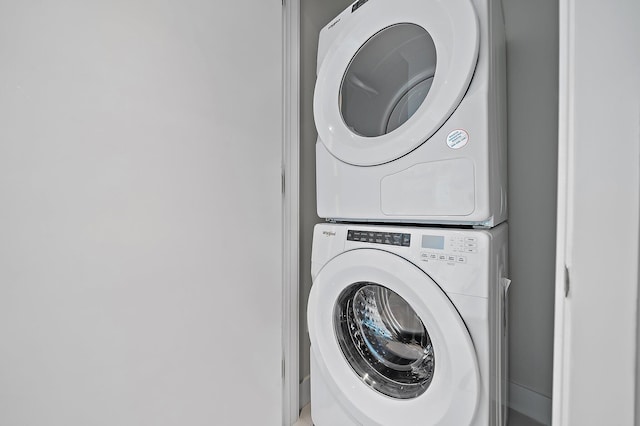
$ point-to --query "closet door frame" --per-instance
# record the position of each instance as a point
(291, 210)
(596, 314)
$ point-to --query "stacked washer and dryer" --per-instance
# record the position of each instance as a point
(407, 313)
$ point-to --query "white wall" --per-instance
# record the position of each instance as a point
(140, 218)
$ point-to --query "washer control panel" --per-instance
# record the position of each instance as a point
(462, 244)
(448, 248)
(443, 257)
(452, 249)
(375, 237)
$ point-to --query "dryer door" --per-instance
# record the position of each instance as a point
(393, 77)
(390, 344)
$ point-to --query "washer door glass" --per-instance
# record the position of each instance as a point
(384, 340)
(387, 80)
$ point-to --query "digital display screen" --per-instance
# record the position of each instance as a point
(433, 242)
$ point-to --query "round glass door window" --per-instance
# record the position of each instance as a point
(387, 80)
(384, 340)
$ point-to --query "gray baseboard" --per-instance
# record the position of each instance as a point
(530, 403)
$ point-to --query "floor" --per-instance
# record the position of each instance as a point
(515, 418)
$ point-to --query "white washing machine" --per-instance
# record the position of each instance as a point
(408, 326)
(410, 109)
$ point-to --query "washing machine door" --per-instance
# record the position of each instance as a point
(390, 344)
(393, 76)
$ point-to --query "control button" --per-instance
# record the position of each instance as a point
(471, 240)
(374, 237)
(461, 259)
(471, 250)
(471, 245)
(425, 255)
(357, 5)
(451, 258)
(442, 257)
(433, 256)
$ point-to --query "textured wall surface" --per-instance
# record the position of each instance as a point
(131, 186)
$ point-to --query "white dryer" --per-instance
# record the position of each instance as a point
(410, 109)
(408, 326)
